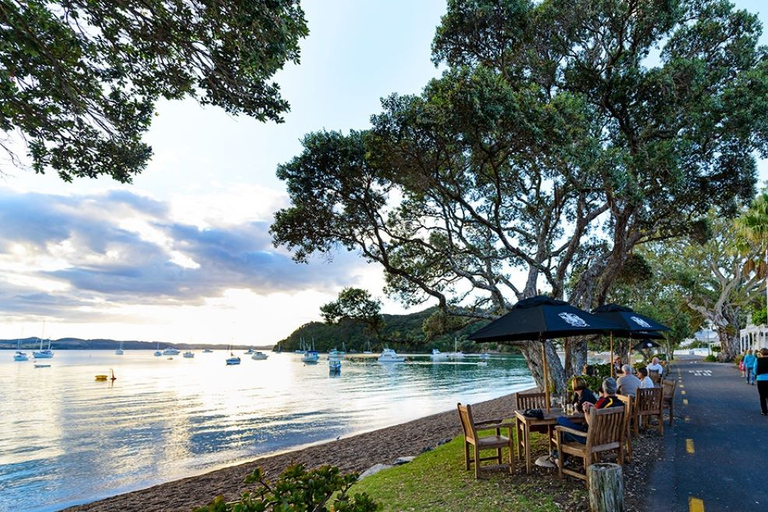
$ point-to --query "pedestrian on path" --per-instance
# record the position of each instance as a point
(760, 370)
(749, 364)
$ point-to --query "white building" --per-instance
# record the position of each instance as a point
(753, 337)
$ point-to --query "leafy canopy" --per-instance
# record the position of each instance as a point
(79, 79)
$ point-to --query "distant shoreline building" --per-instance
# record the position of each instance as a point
(752, 337)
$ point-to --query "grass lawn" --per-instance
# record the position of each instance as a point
(437, 481)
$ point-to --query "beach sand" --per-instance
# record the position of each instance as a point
(355, 453)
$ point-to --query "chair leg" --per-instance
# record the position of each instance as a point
(466, 455)
(671, 414)
(477, 463)
(511, 456)
(661, 423)
(559, 455)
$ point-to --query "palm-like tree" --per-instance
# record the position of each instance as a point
(753, 224)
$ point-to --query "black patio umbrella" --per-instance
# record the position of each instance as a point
(634, 325)
(645, 345)
(539, 319)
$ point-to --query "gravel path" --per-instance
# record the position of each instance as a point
(356, 453)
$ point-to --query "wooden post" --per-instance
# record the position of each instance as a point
(606, 488)
(546, 372)
(611, 361)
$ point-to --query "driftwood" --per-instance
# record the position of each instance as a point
(606, 488)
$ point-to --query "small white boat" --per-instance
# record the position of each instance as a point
(119, 350)
(436, 355)
(170, 351)
(259, 356)
(334, 366)
(482, 363)
(188, 354)
(334, 354)
(207, 351)
(388, 355)
(20, 356)
(43, 353)
(232, 359)
(310, 356)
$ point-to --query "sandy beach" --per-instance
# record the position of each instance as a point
(354, 453)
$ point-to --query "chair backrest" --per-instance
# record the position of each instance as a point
(655, 376)
(649, 400)
(607, 428)
(668, 387)
(467, 422)
(629, 402)
(530, 401)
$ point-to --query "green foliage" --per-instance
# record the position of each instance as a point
(760, 317)
(79, 79)
(357, 304)
(298, 490)
(711, 358)
(436, 481)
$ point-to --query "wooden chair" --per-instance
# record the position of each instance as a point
(655, 377)
(488, 442)
(629, 403)
(605, 433)
(648, 403)
(525, 401)
(668, 401)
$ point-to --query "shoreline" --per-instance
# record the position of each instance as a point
(351, 454)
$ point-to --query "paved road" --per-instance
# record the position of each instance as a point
(716, 455)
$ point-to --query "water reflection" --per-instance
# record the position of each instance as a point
(67, 439)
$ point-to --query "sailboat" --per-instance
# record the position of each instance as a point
(43, 353)
(119, 351)
(368, 348)
(311, 355)
(19, 355)
(232, 359)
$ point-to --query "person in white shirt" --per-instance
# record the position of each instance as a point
(645, 380)
(655, 366)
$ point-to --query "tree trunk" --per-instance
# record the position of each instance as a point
(606, 488)
(532, 353)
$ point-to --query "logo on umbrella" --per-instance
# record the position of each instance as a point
(639, 321)
(574, 320)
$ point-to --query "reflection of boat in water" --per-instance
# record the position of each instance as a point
(189, 354)
(436, 355)
(388, 355)
(259, 356)
(334, 366)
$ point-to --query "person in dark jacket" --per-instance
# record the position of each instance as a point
(581, 393)
(760, 372)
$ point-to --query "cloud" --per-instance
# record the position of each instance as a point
(82, 256)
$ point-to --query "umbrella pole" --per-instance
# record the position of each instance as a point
(611, 361)
(546, 372)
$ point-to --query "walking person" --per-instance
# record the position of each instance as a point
(760, 370)
(749, 364)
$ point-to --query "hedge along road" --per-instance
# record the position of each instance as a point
(716, 454)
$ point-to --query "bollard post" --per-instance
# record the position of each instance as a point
(606, 488)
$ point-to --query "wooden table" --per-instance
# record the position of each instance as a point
(525, 423)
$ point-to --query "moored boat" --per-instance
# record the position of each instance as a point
(20, 356)
(334, 366)
(232, 359)
(43, 353)
(436, 355)
(189, 354)
(388, 355)
(310, 356)
(259, 356)
(170, 351)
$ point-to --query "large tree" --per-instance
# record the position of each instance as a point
(551, 147)
(79, 79)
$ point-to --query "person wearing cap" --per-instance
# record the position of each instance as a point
(628, 383)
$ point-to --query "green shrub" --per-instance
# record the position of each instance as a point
(711, 358)
(297, 490)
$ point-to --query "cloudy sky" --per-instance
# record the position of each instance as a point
(183, 255)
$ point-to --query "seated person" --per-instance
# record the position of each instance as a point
(656, 367)
(628, 383)
(582, 393)
(617, 364)
(607, 399)
(645, 380)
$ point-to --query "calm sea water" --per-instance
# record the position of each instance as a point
(67, 439)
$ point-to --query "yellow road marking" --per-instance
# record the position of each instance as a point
(682, 391)
(687, 419)
(682, 386)
(695, 505)
(685, 401)
(689, 446)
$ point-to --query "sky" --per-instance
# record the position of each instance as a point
(183, 255)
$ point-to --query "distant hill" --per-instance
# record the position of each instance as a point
(401, 332)
(107, 344)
